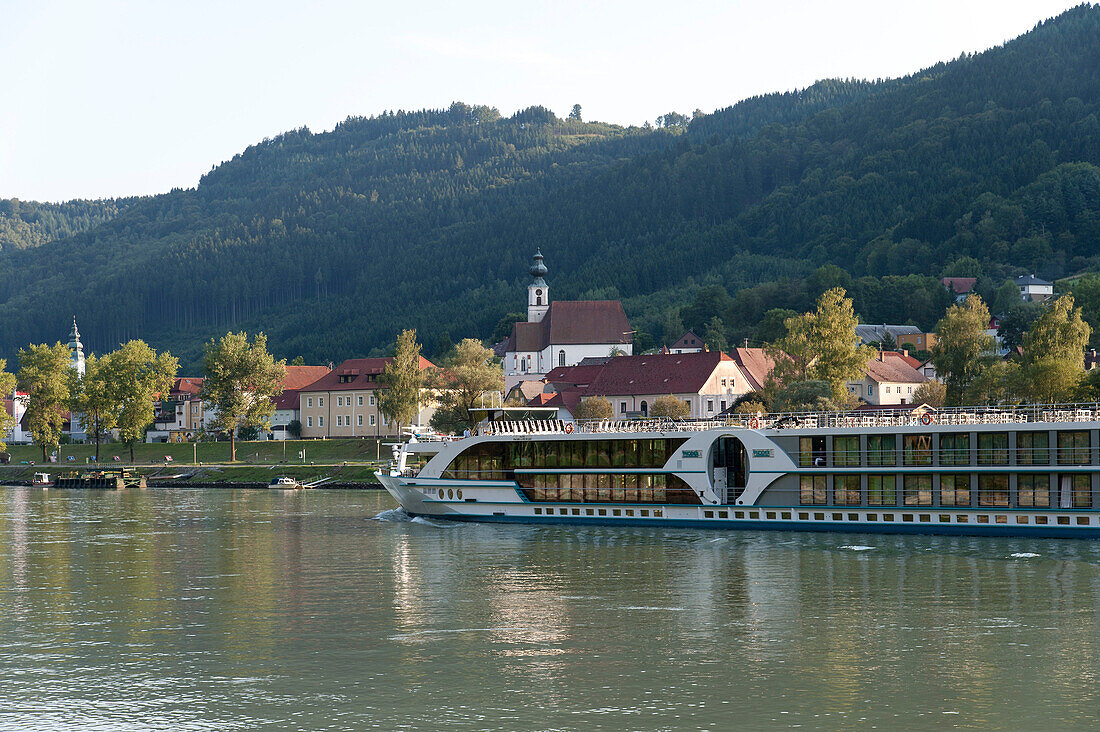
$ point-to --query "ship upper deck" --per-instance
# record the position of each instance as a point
(918, 416)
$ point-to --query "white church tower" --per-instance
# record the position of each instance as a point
(76, 350)
(538, 292)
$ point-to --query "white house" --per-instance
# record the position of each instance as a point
(891, 378)
(1033, 289)
(562, 333)
(15, 406)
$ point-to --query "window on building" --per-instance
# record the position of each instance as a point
(561, 358)
(955, 490)
(309, 401)
(371, 402)
(1073, 448)
(881, 450)
(1081, 490)
(722, 405)
(360, 400)
(910, 390)
(645, 408)
(992, 448)
(870, 391)
(846, 490)
(320, 421)
(1033, 448)
(359, 420)
(320, 401)
(955, 448)
(372, 420)
(917, 450)
(917, 490)
(622, 407)
(813, 490)
(882, 490)
(723, 382)
(339, 401)
(309, 421)
(993, 489)
(1033, 490)
(710, 405)
(887, 390)
(339, 421)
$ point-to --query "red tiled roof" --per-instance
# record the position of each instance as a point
(358, 374)
(893, 367)
(186, 385)
(680, 373)
(573, 322)
(575, 375)
(300, 376)
(959, 285)
(755, 364)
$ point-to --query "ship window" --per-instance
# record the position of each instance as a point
(813, 490)
(917, 449)
(917, 490)
(846, 451)
(880, 450)
(1033, 490)
(846, 490)
(992, 489)
(955, 448)
(1073, 448)
(955, 490)
(992, 448)
(881, 490)
(1032, 448)
(1081, 493)
(811, 451)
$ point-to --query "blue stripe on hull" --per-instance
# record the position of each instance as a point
(1044, 532)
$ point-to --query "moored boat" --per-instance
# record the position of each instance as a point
(1031, 471)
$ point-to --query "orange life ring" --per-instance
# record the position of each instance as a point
(926, 419)
(569, 428)
(755, 423)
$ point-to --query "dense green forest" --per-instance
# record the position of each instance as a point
(333, 242)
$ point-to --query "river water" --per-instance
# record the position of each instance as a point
(329, 610)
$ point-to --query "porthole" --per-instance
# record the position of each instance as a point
(450, 493)
(441, 493)
(459, 494)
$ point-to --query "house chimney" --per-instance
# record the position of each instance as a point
(905, 351)
(880, 357)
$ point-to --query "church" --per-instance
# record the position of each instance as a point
(562, 333)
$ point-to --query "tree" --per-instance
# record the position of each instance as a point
(1052, 364)
(462, 383)
(805, 396)
(92, 396)
(714, 337)
(963, 348)
(575, 113)
(298, 361)
(503, 327)
(137, 374)
(669, 406)
(596, 407)
(933, 393)
(44, 378)
(822, 346)
(402, 379)
(242, 379)
(773, 325)
(294, 428)
(7, 386)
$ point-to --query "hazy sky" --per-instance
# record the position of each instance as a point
(120, 98)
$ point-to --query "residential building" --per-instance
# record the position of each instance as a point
(287, 404)
(1033, 289)
(960, 287)
(687, 343)
(562, 333)
(180, 416)
(345, 402)
(878, 334)
(15, 406)
(891, 378)
(755, 364)
(707, 381)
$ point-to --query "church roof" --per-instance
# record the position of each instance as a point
(573, 322)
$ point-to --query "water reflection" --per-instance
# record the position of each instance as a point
(220, 609)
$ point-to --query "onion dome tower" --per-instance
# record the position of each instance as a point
(76, 350)
(538, 292)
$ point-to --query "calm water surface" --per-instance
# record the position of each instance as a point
(327, 610)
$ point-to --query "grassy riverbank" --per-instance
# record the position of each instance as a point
(347, 461)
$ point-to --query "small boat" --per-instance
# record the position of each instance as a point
(285, 483)
(41, 479)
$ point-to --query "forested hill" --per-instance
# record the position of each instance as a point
(333, 242)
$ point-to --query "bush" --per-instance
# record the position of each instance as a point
(669, 406)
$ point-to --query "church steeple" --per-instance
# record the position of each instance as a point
(76, 350)
(538, 292)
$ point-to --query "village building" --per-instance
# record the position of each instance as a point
(687, 343)
(960, 287)
(891, 378)
(345, 402)
(755, 364)
(1033, 289)
(15, 406)
(562, 333)
(180, 416)
(288, 402)
(707, 382)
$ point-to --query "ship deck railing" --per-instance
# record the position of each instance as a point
(902, 417)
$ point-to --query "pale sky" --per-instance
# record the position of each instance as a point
(115, 98)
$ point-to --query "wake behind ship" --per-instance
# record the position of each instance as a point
(1028, 471)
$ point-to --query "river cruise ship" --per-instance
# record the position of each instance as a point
(1024, 471)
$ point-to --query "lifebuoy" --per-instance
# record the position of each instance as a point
(569, 428)
(926, 419)
(755, 423)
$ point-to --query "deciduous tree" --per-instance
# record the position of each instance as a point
(1052, 363)
(596, 407)
(403, 380)
(932, 393)
(7, 386)
(963, 348)
(462, 383)
(44, 378)
(137, 374)
(92, 395)
(242, 379)
(669, 406)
